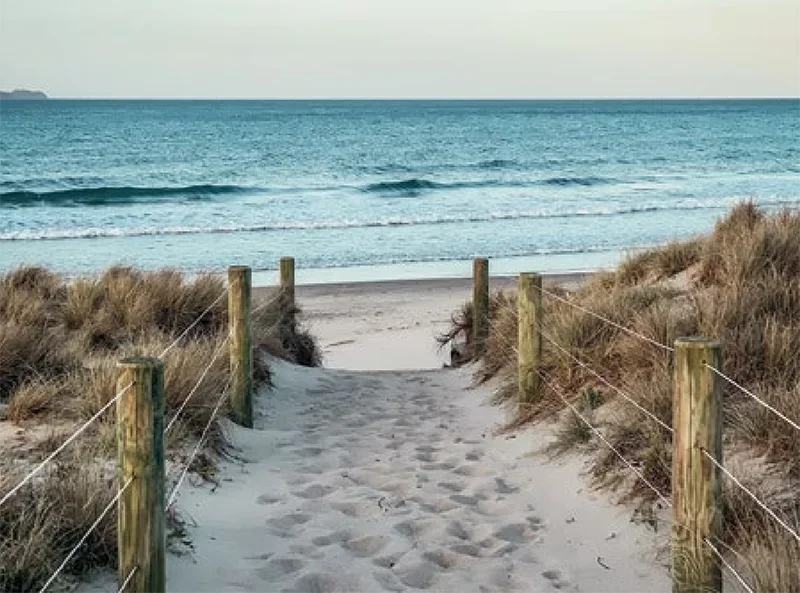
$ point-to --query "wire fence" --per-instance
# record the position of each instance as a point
(620, 327)
(174, 493)
(613, 449)
(39, 467)
(506, 342)
(757, 399)
(194, 323)
(274, 300)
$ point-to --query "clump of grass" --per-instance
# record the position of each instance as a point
(739, 284)
(46, 518)
(59, 345)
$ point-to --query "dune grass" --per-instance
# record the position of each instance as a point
(59, 345)
(741, 285)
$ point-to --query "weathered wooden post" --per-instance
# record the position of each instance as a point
(480, 305)
(241, 352)
(287, 287)
(140, 457)
(529, 310)
(696, 484)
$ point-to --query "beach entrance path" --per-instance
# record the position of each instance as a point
(395, 481)
(398, 480)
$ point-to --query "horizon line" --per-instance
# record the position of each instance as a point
(419, 99)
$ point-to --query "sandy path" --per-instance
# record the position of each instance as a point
(388, 479)
(393, 481)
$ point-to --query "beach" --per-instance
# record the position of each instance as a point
(368, 476)
(390, 325)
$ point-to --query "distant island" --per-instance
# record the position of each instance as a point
(22, 95)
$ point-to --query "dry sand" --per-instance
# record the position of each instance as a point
(395, 480)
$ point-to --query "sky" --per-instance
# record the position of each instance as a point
(289, 49)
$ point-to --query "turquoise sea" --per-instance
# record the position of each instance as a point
(379, 189)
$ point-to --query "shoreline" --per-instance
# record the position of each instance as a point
(568, 280)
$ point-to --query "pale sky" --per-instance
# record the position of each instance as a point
(401, 48)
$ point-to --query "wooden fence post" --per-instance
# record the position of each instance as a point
(241, 352)
(480, 305)
(696, 484)
(140, 456)
(529, 307)
(287, 286)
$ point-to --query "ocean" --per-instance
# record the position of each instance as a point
(360, 190)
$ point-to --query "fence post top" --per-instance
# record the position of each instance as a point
(140, 361)
(239, 269)
(697, 342)
(287, 258)
(534, 275)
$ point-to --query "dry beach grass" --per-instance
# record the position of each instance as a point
(59, 344)
(740, 284)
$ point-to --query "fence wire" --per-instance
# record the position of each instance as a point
(607, 320)
(89, 531)
(639, 474)
(65, 444)
(193, 324)
(197, 447)
(727, 565)
(733, 478)
(629, 399)
(177, 414)
(273, 299)
(780, 415)
(127, 579)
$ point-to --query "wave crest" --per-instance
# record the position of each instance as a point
(416, 186)
(98, 196)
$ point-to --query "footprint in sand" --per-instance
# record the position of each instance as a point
(464, 499)
(502, 487)
(289, 521)
(310, 469)
(315, 491)
(412, 529)
(277, 568)
(389, 561)
(468, 470)
(467, 550)
(389, 581)
(319, 583)
(441, 558)
(366, 546)
(298, 480)
(421, 575)
(451, 486)
(535, 523)
(335, 537)
(426, 449)
(310, 451)
(437, 506)
(424, 457)
(353, 509)
(458, 530)
(505, 551)
(515, 533)
(556, 578)
(306, 551)
(268, 499)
